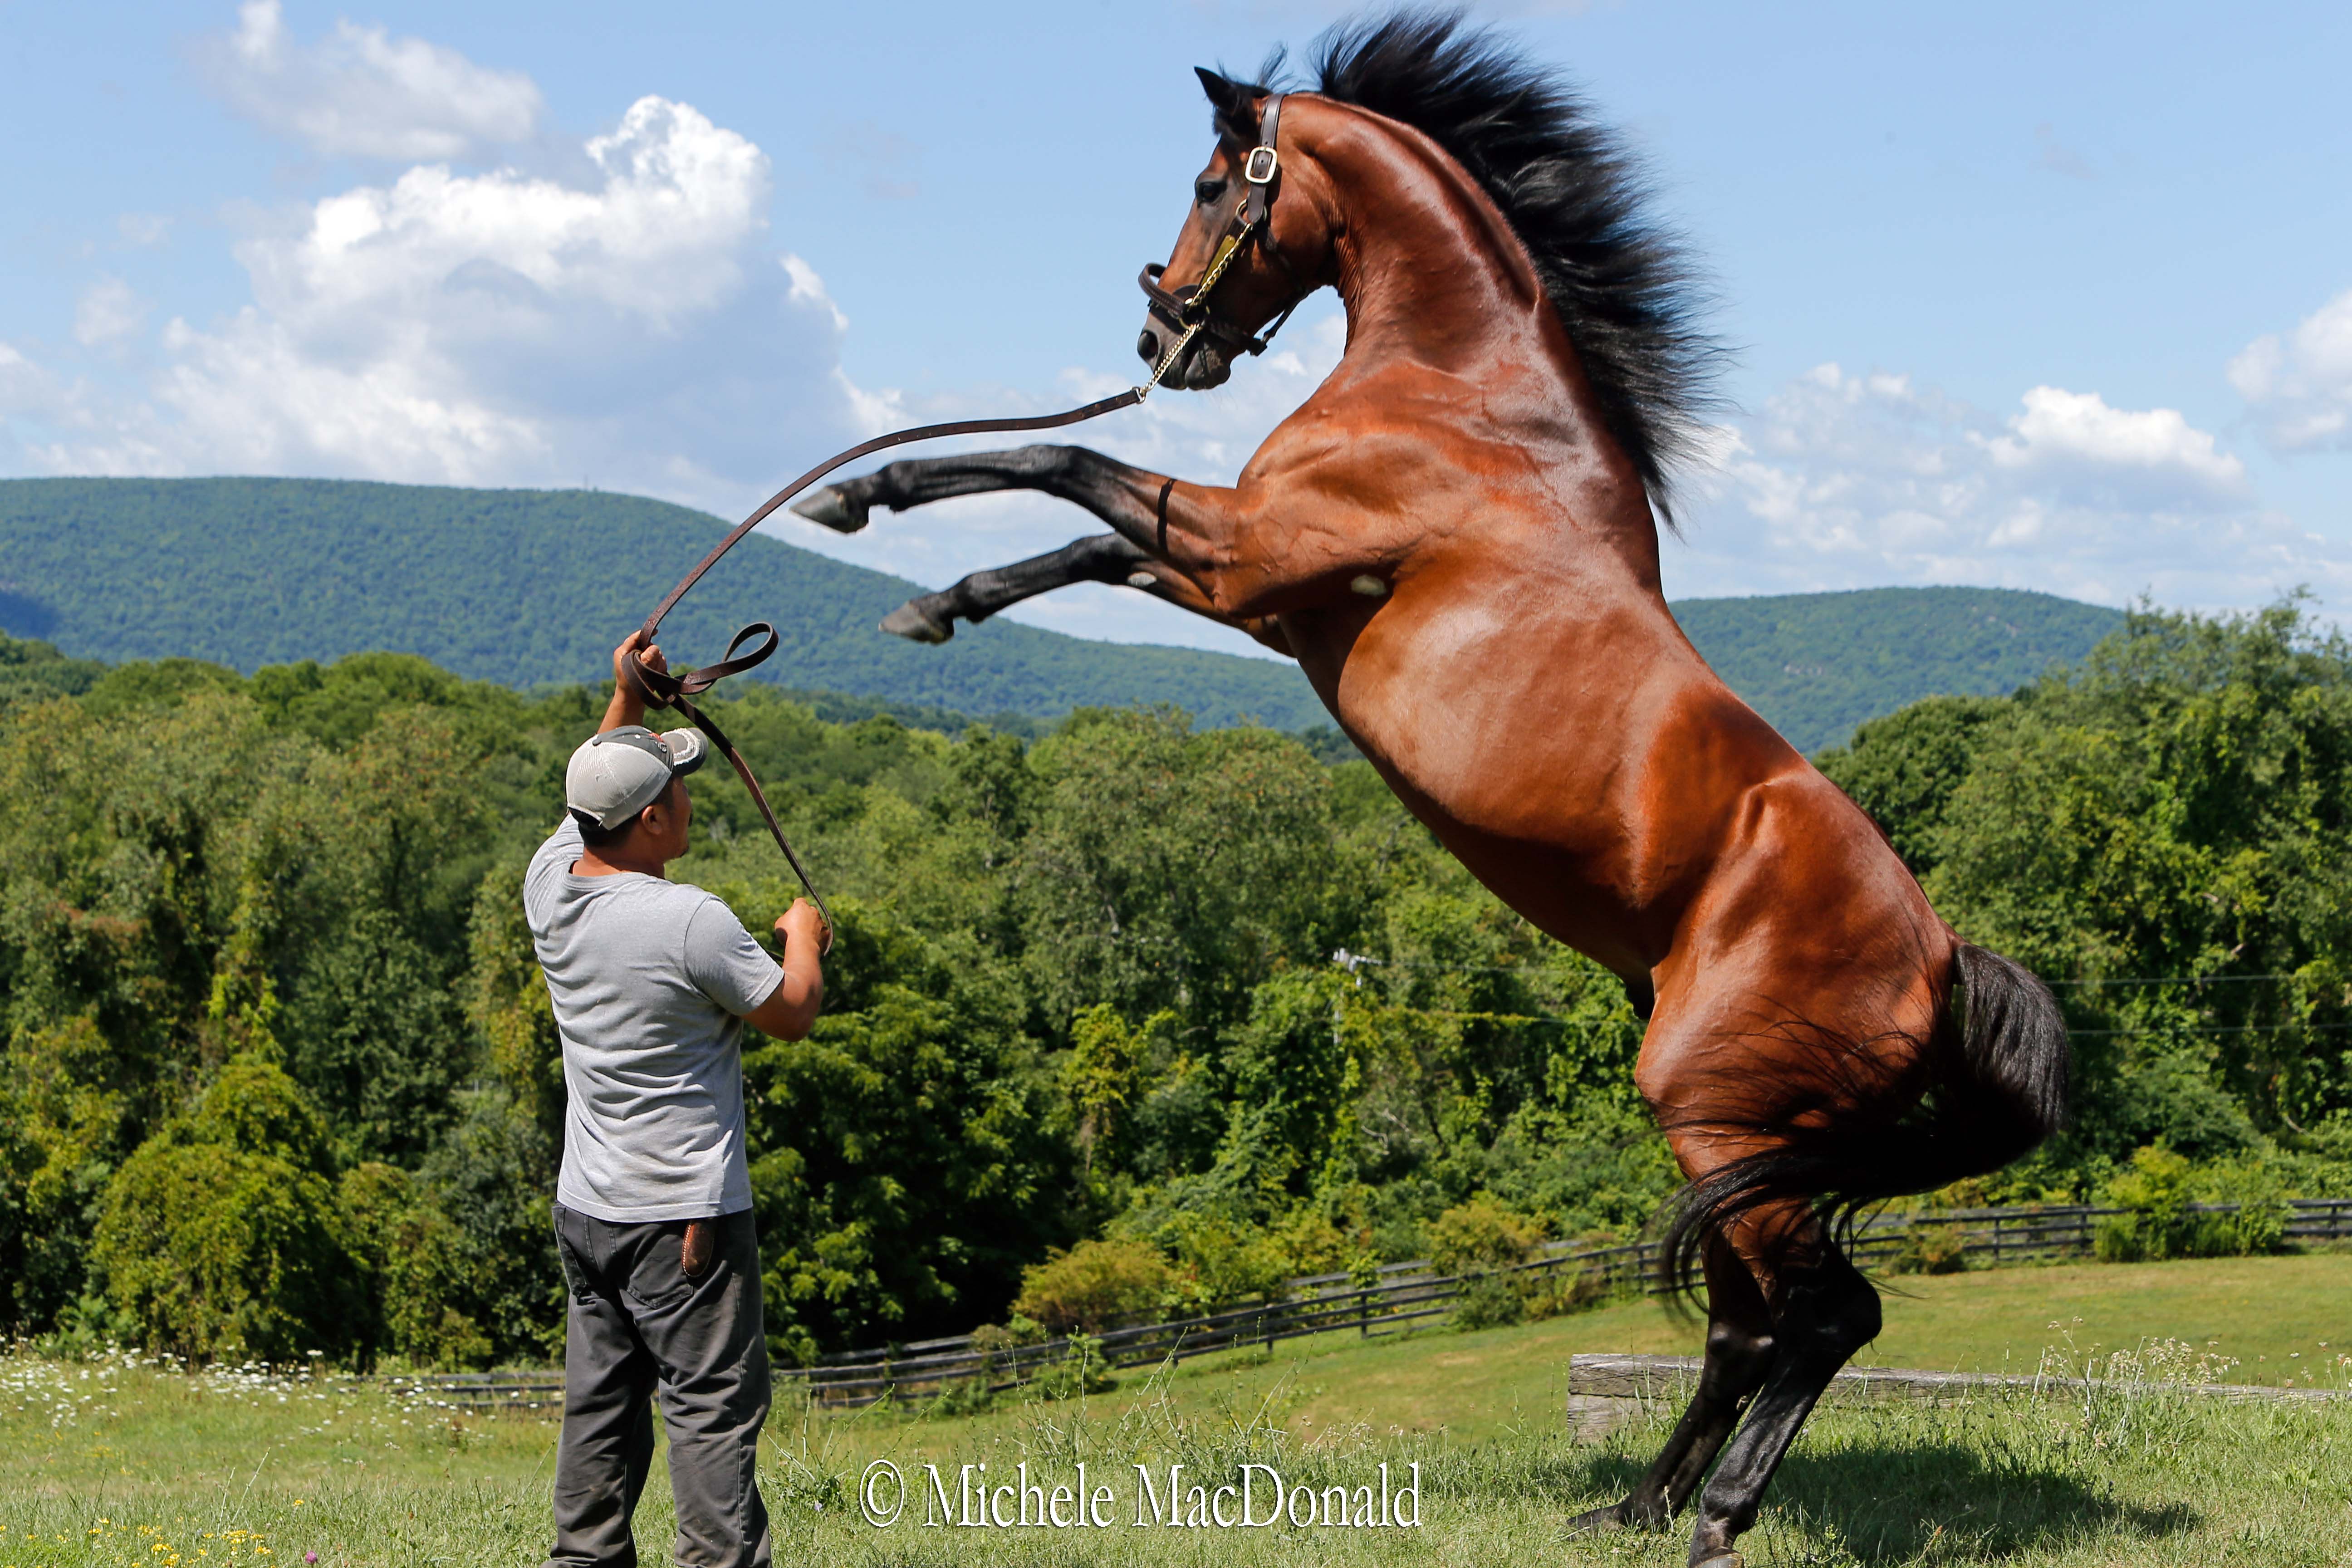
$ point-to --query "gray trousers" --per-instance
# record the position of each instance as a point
(635, 1323)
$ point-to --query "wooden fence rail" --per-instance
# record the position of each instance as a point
(1385, 1301)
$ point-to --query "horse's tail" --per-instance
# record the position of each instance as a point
(1998, 1087)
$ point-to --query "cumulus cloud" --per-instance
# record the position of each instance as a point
(1854, 480)
(25, 386)
(2299, 383)
(109, 311)
(361, 92)
(634, 330)
(2075, 433)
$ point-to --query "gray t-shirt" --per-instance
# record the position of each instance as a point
(649, 980)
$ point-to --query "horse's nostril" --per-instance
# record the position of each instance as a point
(1146, 346)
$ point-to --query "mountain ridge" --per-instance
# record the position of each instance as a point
(248, 572)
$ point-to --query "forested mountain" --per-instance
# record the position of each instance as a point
(529, 587)
(1817, 665)
(525, 587)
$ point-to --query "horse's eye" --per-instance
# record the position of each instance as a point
(1206, 191)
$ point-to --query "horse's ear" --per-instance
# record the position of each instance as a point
(1228, 99)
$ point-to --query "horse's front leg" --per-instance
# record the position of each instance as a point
(1101, 558)
(1196, 529)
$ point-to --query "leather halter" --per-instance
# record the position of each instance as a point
(1186, 311)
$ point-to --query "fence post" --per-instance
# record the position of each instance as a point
(1363, 1314)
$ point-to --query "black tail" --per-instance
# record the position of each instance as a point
(2000, 1088)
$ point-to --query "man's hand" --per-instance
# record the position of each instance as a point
(628, 705)
(804, 924)
(791, 1012)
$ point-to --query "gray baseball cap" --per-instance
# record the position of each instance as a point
(616, 774)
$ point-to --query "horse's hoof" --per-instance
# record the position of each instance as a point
(908, 621)
(1599, 1521)
(1715, 1554)
(833, 508)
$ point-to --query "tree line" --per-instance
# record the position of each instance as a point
(1130, 1006)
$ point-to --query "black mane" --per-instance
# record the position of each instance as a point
(1573, 196)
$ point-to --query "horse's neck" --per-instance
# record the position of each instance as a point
(1427, 269)
(1431, 274)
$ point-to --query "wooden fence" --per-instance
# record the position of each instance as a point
(1390, 1301)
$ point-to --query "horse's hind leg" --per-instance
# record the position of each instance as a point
(1823, 1311)
(1738, 1355)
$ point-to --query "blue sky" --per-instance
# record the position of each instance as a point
(2033, 296)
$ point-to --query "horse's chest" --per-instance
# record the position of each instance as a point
(1472, 709)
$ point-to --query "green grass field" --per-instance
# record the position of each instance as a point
(104, 1464)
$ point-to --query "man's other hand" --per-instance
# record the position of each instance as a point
(791, 1012)
(802, 923)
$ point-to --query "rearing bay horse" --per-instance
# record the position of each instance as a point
(1453, 537)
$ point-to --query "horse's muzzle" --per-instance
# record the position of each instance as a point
(1203, 364)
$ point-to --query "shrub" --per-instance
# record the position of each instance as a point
(216, 1253)
(1931, 1249)
(221, 1236)
(1222, 1261)
(1478, 1240)
(2159, 1221)
(1096, 1285)
(1489, 1301)
(1483, 1234)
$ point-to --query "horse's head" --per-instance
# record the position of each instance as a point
(1229, 275)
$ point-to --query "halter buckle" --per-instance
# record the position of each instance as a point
(1255, 172)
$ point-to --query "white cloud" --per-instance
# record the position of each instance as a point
(25, 386)
(1846, 480)
(2062, 430)
(364, 93)
(110, 310)
(2300, 382)
(143, 229)
(632, 330)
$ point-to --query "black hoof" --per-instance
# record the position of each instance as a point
(1599, 1521)
(833, 508)
(909, 621)
(1633, 1513)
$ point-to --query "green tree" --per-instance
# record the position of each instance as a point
(907, 1158)
(1169, 869)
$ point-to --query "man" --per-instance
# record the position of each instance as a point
(652, 982)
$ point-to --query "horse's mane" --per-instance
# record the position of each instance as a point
(1574, 196)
